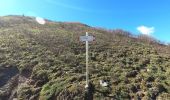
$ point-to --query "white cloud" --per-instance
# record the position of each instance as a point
(146, 30)
(40, 20)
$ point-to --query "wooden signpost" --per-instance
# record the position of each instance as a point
(87, 39)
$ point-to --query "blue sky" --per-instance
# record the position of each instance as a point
(150, 17)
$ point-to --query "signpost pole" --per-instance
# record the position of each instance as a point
(87, 39)
(87, 56)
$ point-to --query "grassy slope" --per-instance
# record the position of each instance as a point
(52, 59)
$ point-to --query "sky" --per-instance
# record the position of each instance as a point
(149, 17)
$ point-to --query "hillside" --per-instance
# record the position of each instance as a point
(47, 62)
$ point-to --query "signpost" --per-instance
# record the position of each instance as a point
(87, 39)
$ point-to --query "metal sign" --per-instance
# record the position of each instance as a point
(86, 38)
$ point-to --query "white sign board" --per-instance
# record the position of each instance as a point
(86, 38)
